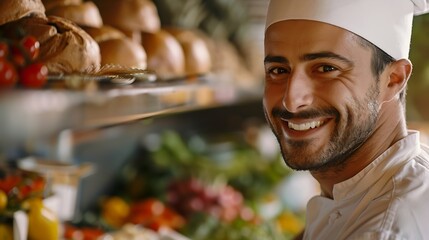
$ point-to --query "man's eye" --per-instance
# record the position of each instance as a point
(278, 70)
(326, 68)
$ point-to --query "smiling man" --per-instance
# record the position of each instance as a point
(335, 78)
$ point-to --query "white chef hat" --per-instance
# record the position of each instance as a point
(385, 23)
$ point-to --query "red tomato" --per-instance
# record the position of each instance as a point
(172, 219)
(17, 56)
(24, 191)
(4, 50)
(72, 232)
(34, 75)
(91, 233)
(8, 74)
(9, 183)
(150, 207)
(31, 46)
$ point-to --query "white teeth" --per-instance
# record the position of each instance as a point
(304, 126)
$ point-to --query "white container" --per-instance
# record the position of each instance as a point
(62, 180)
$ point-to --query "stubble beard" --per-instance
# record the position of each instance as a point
(350, 134)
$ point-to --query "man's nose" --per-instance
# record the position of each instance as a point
(298, 92)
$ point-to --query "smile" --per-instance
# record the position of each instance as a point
(304, 126)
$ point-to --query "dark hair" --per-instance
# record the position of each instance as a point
(379, 61)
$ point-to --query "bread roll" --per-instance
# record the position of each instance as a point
(122, 52)
(197, 55)
(116, 48)
(164, 54)
(53, 3)
(11, 10)
(84, 14)
(130, 15)
(64, 46)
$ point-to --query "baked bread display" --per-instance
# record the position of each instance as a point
(11, 10)
(64, 47)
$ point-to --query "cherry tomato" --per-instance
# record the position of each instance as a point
(150, 206)
(24, 191)
(34, 75)
(4, 50)
(31, 46)
(8, 74)
(17, 56)
(9, 183)
(91, 233)
(71, 232)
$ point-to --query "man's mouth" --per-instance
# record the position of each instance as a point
(305, 126)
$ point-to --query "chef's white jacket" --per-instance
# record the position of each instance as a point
(389, 199)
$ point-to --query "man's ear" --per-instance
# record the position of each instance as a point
(397, 77)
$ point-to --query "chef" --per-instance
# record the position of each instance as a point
(336, 73)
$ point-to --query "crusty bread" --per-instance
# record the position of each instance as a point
(164, 54)
(64, 47)
(122, 52)
(11, 10)
(197, 54)
(130, 15)
(84, 14)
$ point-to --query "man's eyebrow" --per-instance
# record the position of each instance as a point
(313, 56)
(275, 59)
(309, 57)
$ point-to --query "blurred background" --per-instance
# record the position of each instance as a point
(198, 159)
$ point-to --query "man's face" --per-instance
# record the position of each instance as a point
(320, 95)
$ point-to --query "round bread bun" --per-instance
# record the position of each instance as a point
(84, 14)
(164, 54)
(103, 33)
(130, 15)
(122, 52)
(197, 54)
(64, 47)
(53, 3)
(15, 9)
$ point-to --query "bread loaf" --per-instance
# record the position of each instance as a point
(11, 10)
(64, 46)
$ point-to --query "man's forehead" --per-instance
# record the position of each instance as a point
(308, 40)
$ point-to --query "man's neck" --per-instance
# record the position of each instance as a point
(385, 135)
